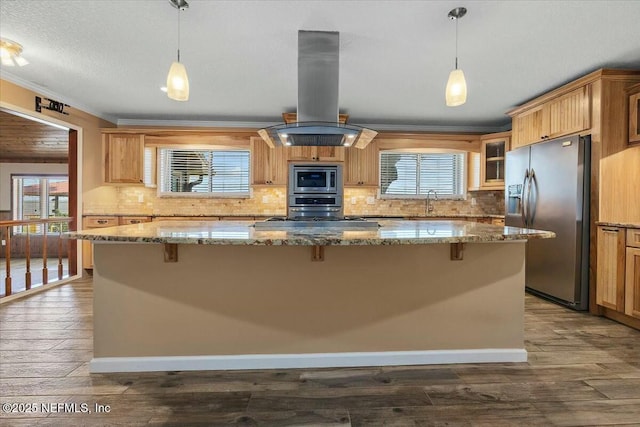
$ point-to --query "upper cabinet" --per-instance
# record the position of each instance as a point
(361, 166)
(269, 165)
(123, 158)
(307, 153)
(634, 114)
(565, 114)
(492, 156)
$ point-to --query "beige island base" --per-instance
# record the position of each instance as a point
(178, 296)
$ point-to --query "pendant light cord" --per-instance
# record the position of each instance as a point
(179, 36)
(456, 43)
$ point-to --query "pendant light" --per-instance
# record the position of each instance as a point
(456, 92)
(177, 80)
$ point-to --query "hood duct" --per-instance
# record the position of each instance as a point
(318, 85)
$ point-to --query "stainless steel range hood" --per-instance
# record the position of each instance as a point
(318, 84)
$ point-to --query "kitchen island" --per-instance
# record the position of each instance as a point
(224, 295)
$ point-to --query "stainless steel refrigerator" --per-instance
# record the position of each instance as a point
(547, 188)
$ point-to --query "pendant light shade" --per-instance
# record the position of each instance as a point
(456, 91)
(178, 82)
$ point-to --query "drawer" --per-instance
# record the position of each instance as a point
(633, 237)
(126, 220)
(100, 221)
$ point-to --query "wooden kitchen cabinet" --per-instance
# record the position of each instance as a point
(269, 165)
(565, 114)
(87, 246)
(632, 275)
(123, 158)
(326, 154)
(361, 166)
(492, 160)
(527, 127)
(634, 114)
(610, 287)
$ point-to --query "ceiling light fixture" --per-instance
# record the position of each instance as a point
(10, 53)
(177, 80)
(456, 92)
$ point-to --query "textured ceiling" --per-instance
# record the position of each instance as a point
(111, 57)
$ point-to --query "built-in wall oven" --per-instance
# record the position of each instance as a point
(315, 191)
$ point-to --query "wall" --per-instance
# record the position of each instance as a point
(7, 169)
(271, 201)
(14, 97)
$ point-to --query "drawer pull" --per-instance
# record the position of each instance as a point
(102, 221)
(610, 230)
(135, 221)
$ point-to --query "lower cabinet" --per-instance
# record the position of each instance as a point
(618, 277)
(87, 247)
(632, 275)
(610, 277)
(89, 222)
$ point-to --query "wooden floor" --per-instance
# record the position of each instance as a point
(582, 370)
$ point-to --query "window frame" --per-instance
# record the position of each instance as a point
(17, 205)
(418, 151)
(159, 166)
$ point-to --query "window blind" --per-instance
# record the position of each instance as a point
(221, 172)
(413, 174)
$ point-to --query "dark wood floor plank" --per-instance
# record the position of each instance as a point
(592, 413)
(336, 398)
(513, 414)
(623, 388)
(512, 392)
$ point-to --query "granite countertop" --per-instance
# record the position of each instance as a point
(432, 215)
(390, 232)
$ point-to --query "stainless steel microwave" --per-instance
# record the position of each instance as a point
(315, 179)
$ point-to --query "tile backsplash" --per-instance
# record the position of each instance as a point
(271, 201)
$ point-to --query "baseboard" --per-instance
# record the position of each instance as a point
(38, 289)
(306, 360)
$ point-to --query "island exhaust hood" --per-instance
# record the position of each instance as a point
(317, 117)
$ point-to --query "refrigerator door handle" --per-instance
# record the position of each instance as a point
(531, 207)
(525, 199)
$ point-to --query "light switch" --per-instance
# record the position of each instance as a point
(371, 200)
(354, 200)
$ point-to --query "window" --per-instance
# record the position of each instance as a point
(202, 172)
(412, 174)
(38, 197)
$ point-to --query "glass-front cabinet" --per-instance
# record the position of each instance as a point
(492, 154)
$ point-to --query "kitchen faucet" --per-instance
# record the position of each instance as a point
(429, 204)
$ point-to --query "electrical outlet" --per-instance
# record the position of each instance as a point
(354, 200)
(371, 200)
(4, 242)
(473, 201)
(140, 198)
(265, 199)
